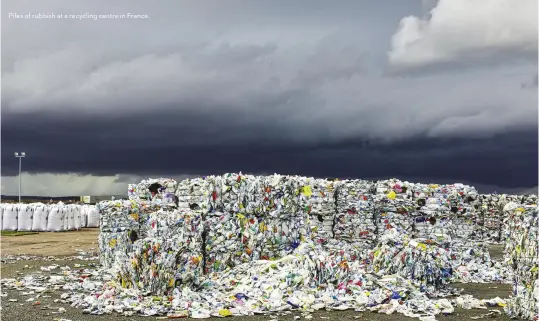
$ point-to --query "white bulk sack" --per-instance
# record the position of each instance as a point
(83, 216)
(93, 217)
(9, 219)
(41, 215)
(65, 210)
(1, 215)
(76, 217)
(70, 218)
(56, 219)
(26, 217)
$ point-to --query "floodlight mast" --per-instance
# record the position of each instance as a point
(20, 157)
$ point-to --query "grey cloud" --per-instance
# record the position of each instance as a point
(454, 33)
(255, 86)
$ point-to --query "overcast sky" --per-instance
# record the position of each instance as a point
(433, 91)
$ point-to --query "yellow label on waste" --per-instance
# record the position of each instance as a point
(171, 283)
(392, 195)
(422, 246)
(225, 313)
(112, 243)
(307, 191)
(135, 216)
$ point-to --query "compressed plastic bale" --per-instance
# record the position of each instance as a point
(230, 240)
(170, 256)
(10, 218)
(321, 227)
(428, 266)
(492, 212)
(355, 220)
(193, 194)
(41, 215)
(115, 244)
(279, 194)
(26, 217)
(316, 196)
(152, 188)
(119, 215)
(278, 237)
(56, 219)
(522, 254)
(229, 190)
(395, 215)
(157, 266)
(394, 187)
(185, 225)
(434, 226)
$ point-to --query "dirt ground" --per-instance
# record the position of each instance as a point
(50, 243)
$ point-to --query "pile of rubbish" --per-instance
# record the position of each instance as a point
(241, 244)
(47, 218)
(308, 279)
(522, 252)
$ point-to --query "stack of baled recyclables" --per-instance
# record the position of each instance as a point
(522, 253)
(122, 222)
(254, 217)
(222, 221)
(41, 217)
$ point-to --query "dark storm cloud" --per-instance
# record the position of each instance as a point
(263, 87)
(103, 147)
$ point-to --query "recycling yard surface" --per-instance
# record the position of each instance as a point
(21, 305)
(51, 244)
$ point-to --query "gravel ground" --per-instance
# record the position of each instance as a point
(67, 244)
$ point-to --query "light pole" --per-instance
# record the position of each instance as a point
(20, 156)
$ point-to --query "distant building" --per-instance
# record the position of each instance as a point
(97, 199)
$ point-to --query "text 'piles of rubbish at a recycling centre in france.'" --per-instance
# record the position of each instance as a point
(238, 244)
